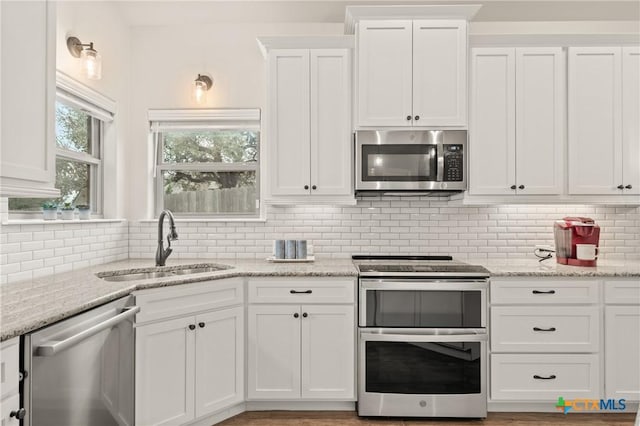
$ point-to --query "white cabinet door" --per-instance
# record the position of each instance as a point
(631, 120)
(595, 139)
(165, 370)
(274, 352)
(384, 73)
(622, 352)
(492, 124)
(439, 73)
(331, 158)
(328, 345)
(28, 36)
(288, 122)
(219, 352)
(540, 118)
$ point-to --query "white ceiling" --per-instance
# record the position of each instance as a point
(176, 12)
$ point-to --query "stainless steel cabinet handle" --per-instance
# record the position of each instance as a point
(53, 347)
(628, 187)
(300, 292)
(544, 329)
(551, 377)
(543, 292)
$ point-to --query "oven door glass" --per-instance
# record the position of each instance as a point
(426, 368)
(422, 309)
(399, 163)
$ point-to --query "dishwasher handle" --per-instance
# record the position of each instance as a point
(54, 347)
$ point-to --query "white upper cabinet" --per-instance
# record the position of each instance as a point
(517, 121)
(308, 145)
(631, 120)
(385, 87)
(439, 73)
(595, 121)
(412, 73)
(28, 34)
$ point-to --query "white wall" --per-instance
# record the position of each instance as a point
(166, 60)
(100, 22)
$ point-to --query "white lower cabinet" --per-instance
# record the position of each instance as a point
(190, 366)
(545, 340)
(9, 382)
(301, 351)
(622, 339)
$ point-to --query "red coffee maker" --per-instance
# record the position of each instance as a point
(571, 231)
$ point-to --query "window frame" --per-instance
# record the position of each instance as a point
(162, 121)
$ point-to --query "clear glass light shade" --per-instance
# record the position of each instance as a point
(200, 92)
(91, 64)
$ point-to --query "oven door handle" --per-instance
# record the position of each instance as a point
(422, 285)
(54, 347)
(383, 337)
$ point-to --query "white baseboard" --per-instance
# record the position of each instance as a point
(219, 416)
(301, 405)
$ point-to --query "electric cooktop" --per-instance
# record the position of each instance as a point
(416, 266)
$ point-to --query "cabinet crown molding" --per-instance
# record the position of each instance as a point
(432, 11)
(305, 42)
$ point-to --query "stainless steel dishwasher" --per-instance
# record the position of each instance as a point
(80, 371)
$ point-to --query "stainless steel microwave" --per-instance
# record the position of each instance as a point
(405, 160)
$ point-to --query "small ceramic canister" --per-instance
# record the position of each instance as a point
(290, 249)
(301, 249)
(278, 249)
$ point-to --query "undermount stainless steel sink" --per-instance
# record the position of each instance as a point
(160, 272)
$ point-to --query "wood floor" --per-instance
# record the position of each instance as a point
(349, 418)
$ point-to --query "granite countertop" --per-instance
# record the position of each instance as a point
(28, 305)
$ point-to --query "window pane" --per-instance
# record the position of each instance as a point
(73, 179)
(209, 192)
(205, 146)
(26, 204)
(73, 129)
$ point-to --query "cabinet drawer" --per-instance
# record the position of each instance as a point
(544, 329)
(9, 367)
(544, 377)
(188, 299)
(544, 292)
(302, 290)
(624, 292)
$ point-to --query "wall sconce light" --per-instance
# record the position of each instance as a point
(200, 86)
(91, 59)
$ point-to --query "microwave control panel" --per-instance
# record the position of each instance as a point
(453, 163)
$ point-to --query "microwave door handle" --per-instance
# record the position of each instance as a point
(378, 337)
(440, 155)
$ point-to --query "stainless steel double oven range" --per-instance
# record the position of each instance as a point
(422, 337)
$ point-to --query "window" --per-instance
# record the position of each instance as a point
(79, 127)
(207, 162)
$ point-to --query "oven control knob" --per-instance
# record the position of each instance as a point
(423, 403)
(443, 185)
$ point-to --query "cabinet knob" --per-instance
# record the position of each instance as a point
(314, 187)
(417, 117)
(513, 187)
(306, 187)
(628, 186)
(521, 187)
(296, 315)
(192, 326)
(201, 324)
(408, 118)
(620, 186)
(304, 315)
(18, 414)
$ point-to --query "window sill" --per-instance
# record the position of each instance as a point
(57, 221)
(205, 220)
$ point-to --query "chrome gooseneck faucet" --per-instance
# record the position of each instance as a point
(161, 253)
